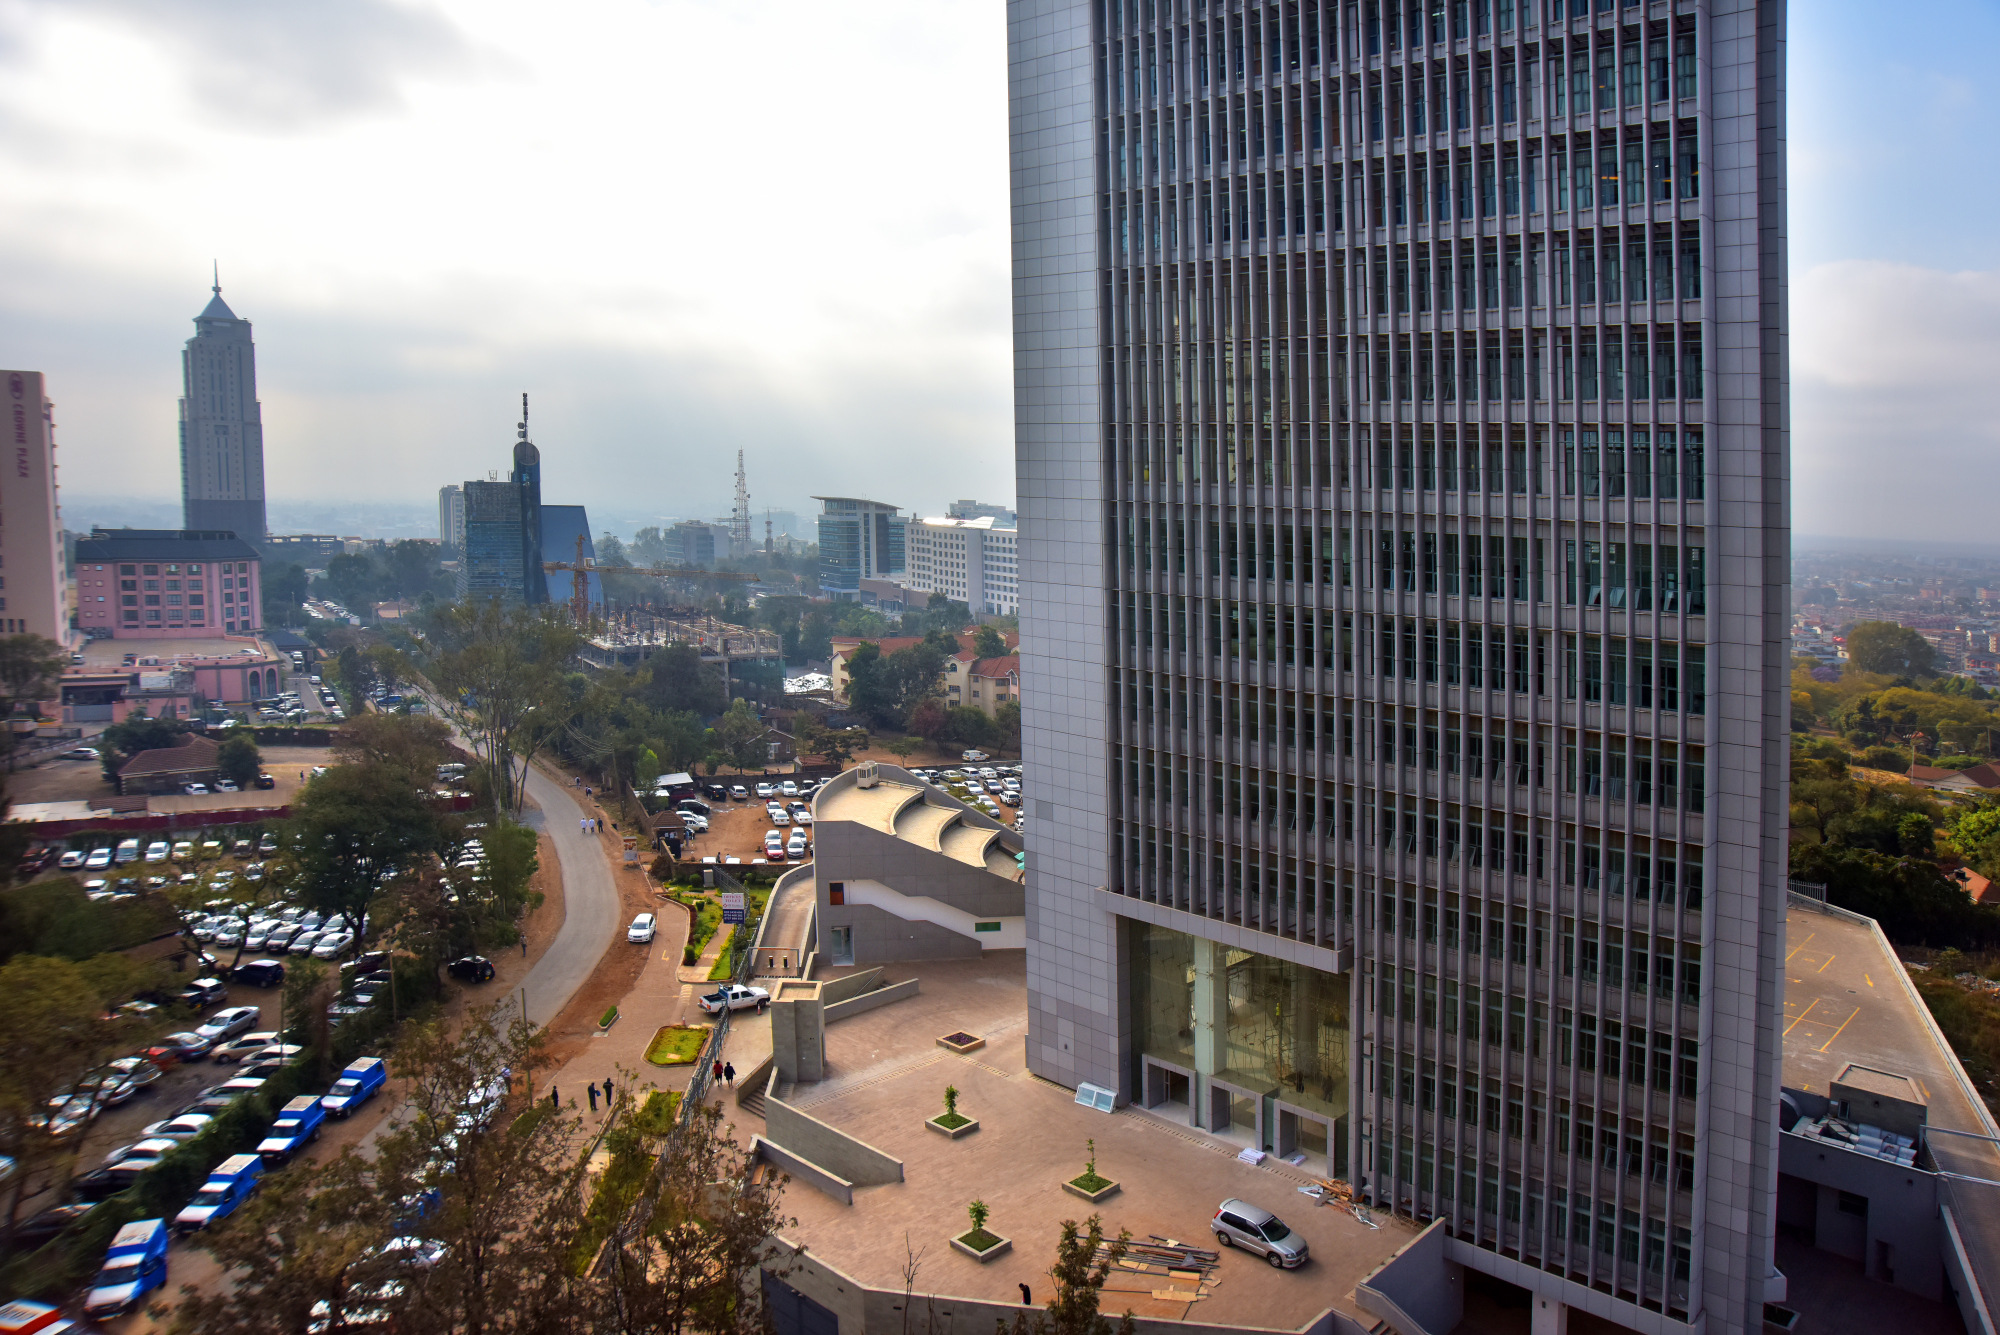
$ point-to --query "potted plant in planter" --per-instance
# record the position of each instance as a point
(1090, 1184)
(976, 1242)
(951, 1122)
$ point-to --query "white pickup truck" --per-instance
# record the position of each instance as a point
(736, 997)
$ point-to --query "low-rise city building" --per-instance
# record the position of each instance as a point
(140, 583)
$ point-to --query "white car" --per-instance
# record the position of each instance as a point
(195, 789)
(228, 1023)
(789, 788)
(795, 847)
(767, 790)
(736, 997)
(99, 859)
(227, 786)
(643, 928)
(303, 943)
(156, 851)
(781, 819)
(73, 858)
(332, 945)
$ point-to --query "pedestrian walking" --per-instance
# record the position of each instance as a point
(524, 945)
(593, 1096)
(729, 1073)
(607, 1091)
(555, 1100)
(1027, 1298)
(718, 1072)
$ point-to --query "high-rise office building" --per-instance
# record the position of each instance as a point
(222, 427)
(503, 541)
(857, 540)
(32, 583)
(1402, 425)
(451, 516)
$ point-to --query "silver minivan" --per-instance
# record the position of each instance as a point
(1241, 1224)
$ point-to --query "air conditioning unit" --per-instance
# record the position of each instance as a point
(865, 775)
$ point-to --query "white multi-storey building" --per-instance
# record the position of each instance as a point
(1403, 453)
(973, 561)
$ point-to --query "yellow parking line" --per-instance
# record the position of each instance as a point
(1801, 945)
(1801, 1015)
(1866, 979)
(1836, 1033)
(1822, 968)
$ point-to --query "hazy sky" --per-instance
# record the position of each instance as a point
(687, 227)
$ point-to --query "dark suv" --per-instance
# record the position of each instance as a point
(471, 968)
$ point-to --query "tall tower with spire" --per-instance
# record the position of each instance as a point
(222, 428)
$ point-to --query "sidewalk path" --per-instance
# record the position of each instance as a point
(591, 907)
(658, 998)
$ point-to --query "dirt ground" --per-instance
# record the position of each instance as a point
(736, 829)
(78, 780)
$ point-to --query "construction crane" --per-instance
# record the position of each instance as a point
(584, 567)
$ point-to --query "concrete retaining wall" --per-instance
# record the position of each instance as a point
(869, 1001)
(853, 985)
(858, 1162)
(862, 1310)
(803, 1170)
(1417, 1291)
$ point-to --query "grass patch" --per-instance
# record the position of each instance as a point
(724, 967)
(951, 1121)
(676, 1044)
(604, 1020)
(657, 1117)
(1090, 1182)
(707, 917)
(980, 1240)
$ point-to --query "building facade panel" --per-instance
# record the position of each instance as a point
(1401, 417)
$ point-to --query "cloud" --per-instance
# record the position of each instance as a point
(1896, 410)
(276, 67)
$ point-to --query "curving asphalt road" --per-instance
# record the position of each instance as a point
(590, 902)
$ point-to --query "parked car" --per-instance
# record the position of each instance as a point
(471, 969)
(156, 851)
(237, 1049)
(332, 945)
(195, 789)
(228, 1023)
(1238, 1223)
(297, 1125)
(72, 859)
(643, 928)
(774, 845)
(186, 1045)
(260, 973)
(266, 781)
(99, 859)
(205, 992)
(736, 997)
(796, 846)
(81, 753)
(186, 1126)
(738, 793)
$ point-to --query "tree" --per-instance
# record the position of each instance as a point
(284, 591)
(682, 740)
(927, 720)
(354, 822)
(739, 734)
(967, 725)
(30, 667)
(989, 643)
(1007, 718)
(700, 1235)
(121, 741)
(477, 1168)
(1079, 1274)
(56, 1030)
(681, 681)
(239, 759)
(411, 745)
(505, 667)
(1884, 646)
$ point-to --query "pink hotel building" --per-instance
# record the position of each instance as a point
(134, 583)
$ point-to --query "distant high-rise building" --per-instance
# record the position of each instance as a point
(222, 427)
(504, 544)
(857, 540)
(451, 516)
(31, 544)
(696, 543)
(528, 482)
(1403, 451)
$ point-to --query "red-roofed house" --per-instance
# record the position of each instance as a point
(955, 681)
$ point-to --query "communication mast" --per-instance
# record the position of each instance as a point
(739, 521)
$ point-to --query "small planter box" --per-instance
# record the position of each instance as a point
(961, 1042)
(966, 1128)
(1000, 1246)
(1108, 1189)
